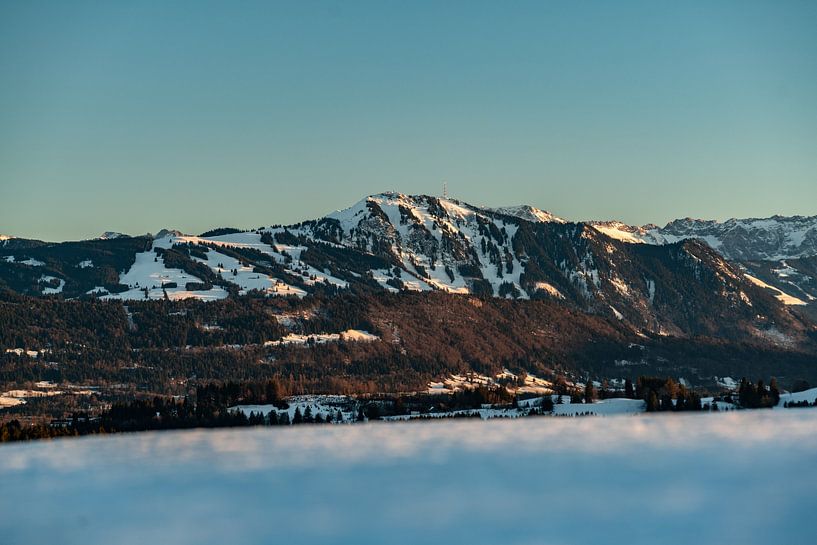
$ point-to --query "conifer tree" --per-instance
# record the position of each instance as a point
(589, 392)
(774, 391)
(628, 389)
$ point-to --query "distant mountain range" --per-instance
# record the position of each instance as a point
(689, 277)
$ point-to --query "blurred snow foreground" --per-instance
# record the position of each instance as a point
(740, 477)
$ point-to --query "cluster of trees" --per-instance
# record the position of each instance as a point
(758, 396)
(61, 260)
(799, 404)
(215, 396)
(477, 397)
(78, 424)
(664, 394)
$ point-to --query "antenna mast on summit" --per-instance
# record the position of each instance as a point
(445, 189)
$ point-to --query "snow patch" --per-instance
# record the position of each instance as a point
(784, 298)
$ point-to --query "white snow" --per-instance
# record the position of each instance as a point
(245, 277)
(31, 262)
(252, 240)
(85, 264)
(620, 285)
(809, 395)
(784, 298)
(148, 271)
(727, 382)
(604, 407)
(620, 231)
(721, 405)
(532, 383)
(49, 290)
(23, 351)
(350, 335)
(7, 401)
(97, 290)
(549, 289)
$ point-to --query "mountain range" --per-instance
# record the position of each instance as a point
(755, 276)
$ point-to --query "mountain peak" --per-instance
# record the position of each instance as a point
(529, 213)
(110, 235)
(164, 233)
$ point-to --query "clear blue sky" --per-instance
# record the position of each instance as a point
(132, 116)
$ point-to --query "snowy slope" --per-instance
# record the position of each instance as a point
(148, 279)
(784, 298)
(232, 270)
(806, 395)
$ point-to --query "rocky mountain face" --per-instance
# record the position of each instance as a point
(770, 239)
(778, 252)
(393, 242)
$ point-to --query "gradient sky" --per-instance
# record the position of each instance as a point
(133, 116)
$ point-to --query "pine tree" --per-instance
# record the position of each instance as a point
(589, 392)
(774, 391)
(652, 402)
(297, 418)
(628, 389)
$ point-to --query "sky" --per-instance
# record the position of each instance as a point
(134, 116)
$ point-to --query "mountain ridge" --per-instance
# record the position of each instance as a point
(394, 242)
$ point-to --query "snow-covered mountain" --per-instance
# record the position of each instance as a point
(768, 239)
(779, 253)
(394, 242)
(110, 235)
